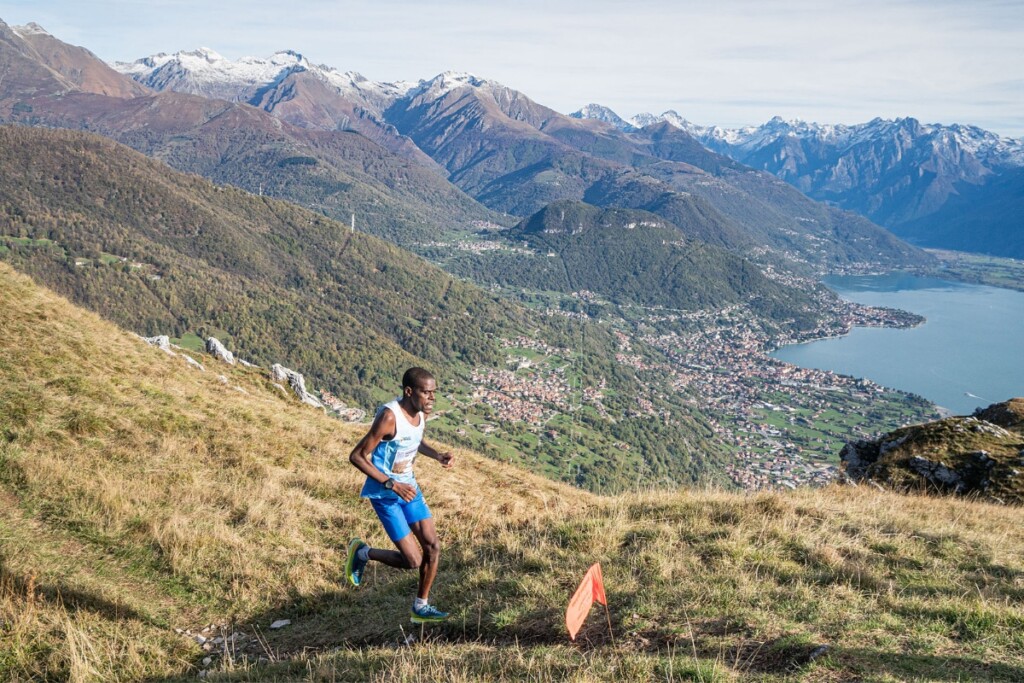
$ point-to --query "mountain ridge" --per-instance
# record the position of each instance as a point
(336, 173)
(910, 177)
(515, 155)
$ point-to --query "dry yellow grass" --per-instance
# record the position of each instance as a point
(139, 496)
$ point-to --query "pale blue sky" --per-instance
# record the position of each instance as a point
(729, 62)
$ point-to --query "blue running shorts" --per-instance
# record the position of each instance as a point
(396, 515)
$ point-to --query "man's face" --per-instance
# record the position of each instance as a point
(422, 395)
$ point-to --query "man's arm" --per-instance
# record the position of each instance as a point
(383, 428)
(446, 459)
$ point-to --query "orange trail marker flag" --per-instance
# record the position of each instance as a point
(591, 589)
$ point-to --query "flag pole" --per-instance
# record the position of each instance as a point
(608, 613)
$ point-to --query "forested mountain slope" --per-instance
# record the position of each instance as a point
(161, 252)
(632, 256)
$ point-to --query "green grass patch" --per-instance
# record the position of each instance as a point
(190, 341)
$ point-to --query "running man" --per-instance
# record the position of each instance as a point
(385, 455)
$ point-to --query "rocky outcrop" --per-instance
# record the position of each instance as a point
(218, 350)
(1009, 415)
(297, 382)
(162, 342)
(278, 373)
(981, 454)
(340, 408)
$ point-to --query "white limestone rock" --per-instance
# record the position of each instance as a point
(162, 342)
(297, 382)
(936, 472)
(218, 350)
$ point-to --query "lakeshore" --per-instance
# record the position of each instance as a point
(782, 425)
(964, 357)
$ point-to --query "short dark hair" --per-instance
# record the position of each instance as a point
(414, 376)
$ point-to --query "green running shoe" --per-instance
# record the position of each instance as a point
(428, 614)
(354, 566)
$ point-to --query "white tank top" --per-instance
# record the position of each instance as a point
(396, 456)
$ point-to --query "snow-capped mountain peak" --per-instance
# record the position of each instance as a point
(643, 120)
(601, 113)
(677, 120)
(444, 83)
(985, 145)
(203, 54)
(29, 29)
(205, 68)
(205, 72)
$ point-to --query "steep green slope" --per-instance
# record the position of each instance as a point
(337, 174)
(155, 521)
(164, 253)
(634, 257)
(287, 285)
(694, 216)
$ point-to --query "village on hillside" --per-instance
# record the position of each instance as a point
(784, 425)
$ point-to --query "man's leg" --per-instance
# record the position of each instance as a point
(426, 534)
(407, 556)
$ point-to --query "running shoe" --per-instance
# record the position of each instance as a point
(428, 614)
(354, 566)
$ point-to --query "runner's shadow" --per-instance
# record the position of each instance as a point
(359, 632)
(931, 667)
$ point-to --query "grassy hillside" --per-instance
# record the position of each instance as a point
(142, 501)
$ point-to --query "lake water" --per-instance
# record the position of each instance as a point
(969, 354)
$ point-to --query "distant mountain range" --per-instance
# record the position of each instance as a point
(956, 187)
(338, 173)
(516, 156)
(285, 84)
